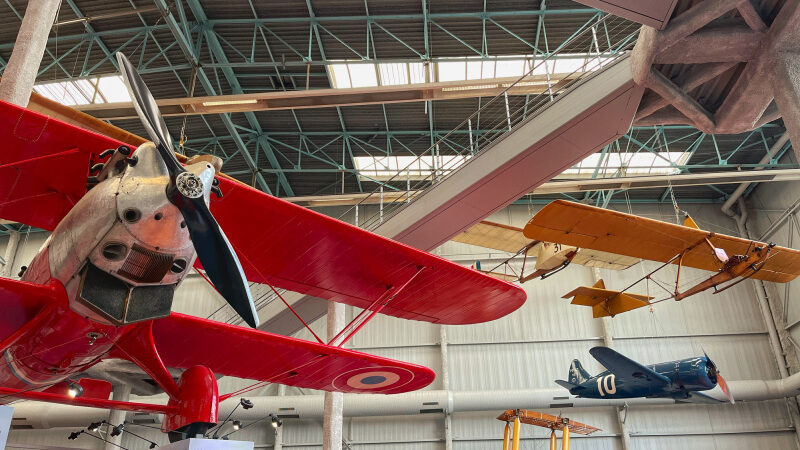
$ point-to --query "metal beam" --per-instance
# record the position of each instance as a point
(189, 53)
(219, 54)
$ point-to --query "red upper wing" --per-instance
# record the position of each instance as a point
(46, 161)
(184, 341)
(43, 161)
(292, 247)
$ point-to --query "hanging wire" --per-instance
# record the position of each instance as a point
(192, 84)
(674, 203)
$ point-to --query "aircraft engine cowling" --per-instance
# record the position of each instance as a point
(122, 263)
(697, 374)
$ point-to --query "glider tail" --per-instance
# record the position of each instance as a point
(577, 374)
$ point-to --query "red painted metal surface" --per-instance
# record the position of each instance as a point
(198, 401)
(280, 243)
(44, 342)
(100, 389)
(21, 301)
(294, 248)
(57, 183)
(6, 393)
(184, 341)
(139, 348)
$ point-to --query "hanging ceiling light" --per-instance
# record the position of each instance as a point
(74, 389)
(117, 430)
(276, 422)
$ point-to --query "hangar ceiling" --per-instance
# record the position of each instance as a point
(210, 47)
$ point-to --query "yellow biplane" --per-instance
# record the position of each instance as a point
(732, 259)
(550, 257)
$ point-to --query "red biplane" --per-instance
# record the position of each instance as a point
(102, 285)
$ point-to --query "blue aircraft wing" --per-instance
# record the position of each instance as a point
(696, 397)
(627, 370)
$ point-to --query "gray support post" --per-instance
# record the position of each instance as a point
(279, 431)
(608, 340)
(20, 73)
(10, 254)
(624, 436)
(334, 401)
(121, 393)
(605, 322)
(448, 423)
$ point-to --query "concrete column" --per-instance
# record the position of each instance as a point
(20, 73)
(448, 425)
(10, 254)
(121, 393)
(608, 341)
(624, 435)
(279, 431)
(605, 322)
(334, 402)
(787, 94)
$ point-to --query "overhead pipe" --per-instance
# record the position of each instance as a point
(737, 193)
(39, 415)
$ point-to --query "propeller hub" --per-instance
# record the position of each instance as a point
(189, 185)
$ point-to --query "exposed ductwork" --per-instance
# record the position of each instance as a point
(39, 415)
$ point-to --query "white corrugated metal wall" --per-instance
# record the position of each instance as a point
(533, 346)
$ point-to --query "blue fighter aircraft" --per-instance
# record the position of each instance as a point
(626, 378)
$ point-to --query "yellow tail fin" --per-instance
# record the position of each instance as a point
(689, 222)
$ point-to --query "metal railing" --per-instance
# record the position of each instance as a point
(502, 114)
(495, 117)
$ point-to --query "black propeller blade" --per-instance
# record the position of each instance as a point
(186, 191)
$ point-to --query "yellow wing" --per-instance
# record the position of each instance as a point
(639, 237)
(495, 236)
(511, 239)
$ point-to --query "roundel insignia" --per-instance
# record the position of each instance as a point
(380, 378)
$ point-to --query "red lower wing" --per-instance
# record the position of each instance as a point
(49, 397)
(185, 341)
(21, 301)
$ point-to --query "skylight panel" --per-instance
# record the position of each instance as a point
(400, 168)
(452, 70)
(347, 74)
(362, 75)
(113, 89)
(614, 164)
(85, 91)
(569, 65)
(417, 72)
(509, 68)
(393, 74)
(475, 69)
(340, 75)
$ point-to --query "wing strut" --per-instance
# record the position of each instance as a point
(359, 321)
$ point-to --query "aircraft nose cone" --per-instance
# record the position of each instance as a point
(711, 371)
